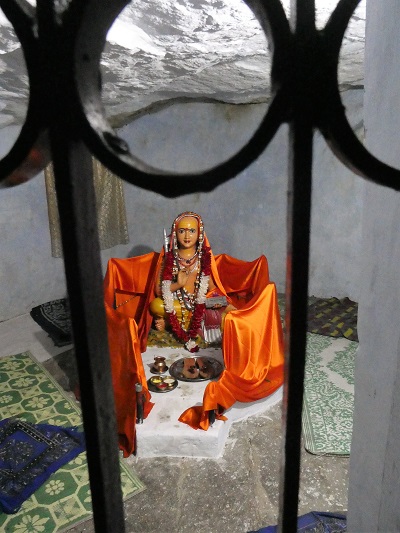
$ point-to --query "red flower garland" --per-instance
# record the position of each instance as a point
(168, 266)
(199, 309)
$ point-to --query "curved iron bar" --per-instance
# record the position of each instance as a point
(336, 129)
(170, 186)
(338, 22)
(331, 117)
(114, 152)
(95, 17)
(347, 147)
(30, 147)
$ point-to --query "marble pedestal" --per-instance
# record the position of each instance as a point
(162, 435)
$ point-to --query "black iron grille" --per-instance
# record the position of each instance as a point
(65, 122)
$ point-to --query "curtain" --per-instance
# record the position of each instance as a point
(110, 204)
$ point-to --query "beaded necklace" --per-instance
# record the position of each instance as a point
(189, 303)
(194, 303)
(188, 261)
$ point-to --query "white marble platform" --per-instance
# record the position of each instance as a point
(161, 434)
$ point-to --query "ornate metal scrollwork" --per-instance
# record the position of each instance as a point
(29, 154)
(62, 50)
(304, 73)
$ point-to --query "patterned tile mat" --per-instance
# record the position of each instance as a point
(329, 316)
(29, 392)
(328, 395)
(333, 317)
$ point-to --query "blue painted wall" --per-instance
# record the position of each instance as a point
(245, 217)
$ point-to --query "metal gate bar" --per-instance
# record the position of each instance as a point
(297, 262)
(299, 207)
(78, 220)
(62, 47)
(78, 223)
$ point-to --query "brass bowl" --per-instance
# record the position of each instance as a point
(156, 380)
(170, 382)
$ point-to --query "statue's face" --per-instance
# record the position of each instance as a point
(187, 232)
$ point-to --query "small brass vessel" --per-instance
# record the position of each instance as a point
(159, 365)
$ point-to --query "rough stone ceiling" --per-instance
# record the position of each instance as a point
(159, 50)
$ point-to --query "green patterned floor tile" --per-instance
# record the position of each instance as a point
(30, 393)
(328, 395)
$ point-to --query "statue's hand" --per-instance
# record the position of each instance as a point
(182, 278)
(159, 324)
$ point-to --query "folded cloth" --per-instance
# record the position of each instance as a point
(333, 318)
(29, 454)
(55, 319)
(314, 522)
(211, 327)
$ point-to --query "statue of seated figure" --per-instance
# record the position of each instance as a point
(188, 289)
(188, 300)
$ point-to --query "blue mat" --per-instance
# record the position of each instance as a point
(29, 454)
(314, 522)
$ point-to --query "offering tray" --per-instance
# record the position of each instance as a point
(201, 368)
(166, 384)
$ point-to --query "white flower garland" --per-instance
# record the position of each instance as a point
(203, 288)
(168, 299)
(167, 295)
(190, 344)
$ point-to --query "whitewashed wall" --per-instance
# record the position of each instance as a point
(28, 275)
(245, 217)
(374, 492)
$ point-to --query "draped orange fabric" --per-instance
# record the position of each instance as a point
(128, 287)
(252, 342)
(252, 339)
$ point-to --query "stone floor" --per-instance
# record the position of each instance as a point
(237, 492)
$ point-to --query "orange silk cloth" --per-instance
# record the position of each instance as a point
(128, 288)
(252, 340)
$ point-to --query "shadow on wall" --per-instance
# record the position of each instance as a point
(140, 249)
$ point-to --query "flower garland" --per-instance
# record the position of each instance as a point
(187, 336)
